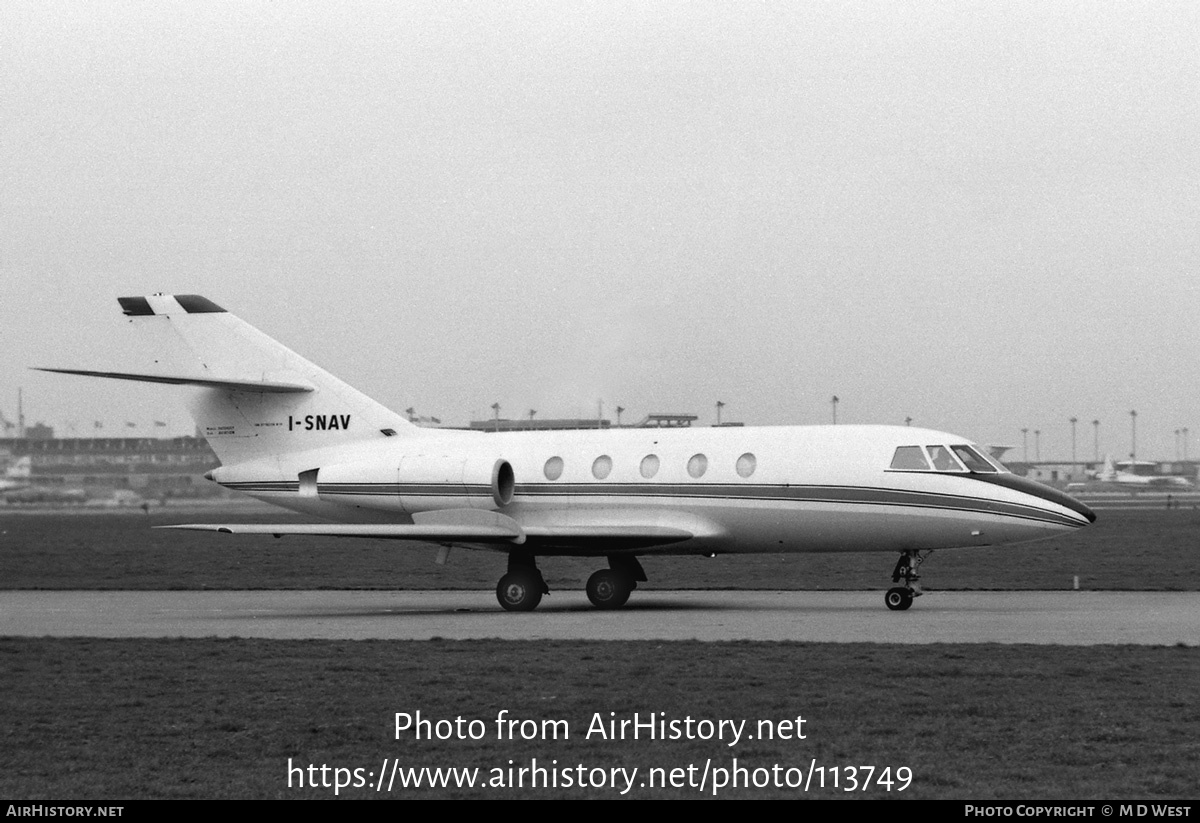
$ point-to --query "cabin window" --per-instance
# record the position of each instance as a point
(554, 468)
(698, 465)
(649, 466)
(746, 465)
(601, 467)
(909, 458)
(973, 460)
(943, 461)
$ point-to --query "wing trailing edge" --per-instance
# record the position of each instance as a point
(583, 539)
(398, 531)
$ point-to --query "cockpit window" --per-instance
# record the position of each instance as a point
(973, 460)
(995, 461)
(943, 461)
(909, 458)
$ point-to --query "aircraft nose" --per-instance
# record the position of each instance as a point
(1055, 496)
(1082, 509)
(1032, 487)
(1064, 499)
(1061, 498)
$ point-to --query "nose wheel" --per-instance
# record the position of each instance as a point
(899, 598)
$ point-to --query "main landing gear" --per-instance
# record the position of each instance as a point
(610, 588)
(522, 588)
(899, 598)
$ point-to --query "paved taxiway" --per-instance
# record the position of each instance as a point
(1071, 618)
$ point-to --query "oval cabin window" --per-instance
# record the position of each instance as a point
(602, 467)
(649, 466)
(554, 467)
(746, 465)
(698, 465)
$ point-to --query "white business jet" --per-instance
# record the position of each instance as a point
(289, 433)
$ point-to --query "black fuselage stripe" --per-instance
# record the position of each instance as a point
(840, 495)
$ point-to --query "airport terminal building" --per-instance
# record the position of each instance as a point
(99, 468)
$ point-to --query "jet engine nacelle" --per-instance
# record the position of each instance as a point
(420, 483)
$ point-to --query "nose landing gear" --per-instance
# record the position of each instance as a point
(899, 598)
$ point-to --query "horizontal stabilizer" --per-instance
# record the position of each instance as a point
(235, 384)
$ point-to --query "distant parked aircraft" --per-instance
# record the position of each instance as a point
(19, 486)
(1109, 473)
(17, 475)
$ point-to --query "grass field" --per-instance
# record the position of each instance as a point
(125, 719)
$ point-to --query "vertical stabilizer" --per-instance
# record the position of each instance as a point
(253, 398)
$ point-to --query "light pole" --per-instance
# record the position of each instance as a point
(908, 421)
(834, 403)
(1025, 444)
(1185, 438)
(720, 406)
(1074, 420)
(1037, 444)
(496, 409)
(1096, 438)
(1133, 439)
(619, 410)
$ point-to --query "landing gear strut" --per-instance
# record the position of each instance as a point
(899, 598)
(522, 588)
(610, 588)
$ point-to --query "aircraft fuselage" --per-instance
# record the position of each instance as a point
(751, 489)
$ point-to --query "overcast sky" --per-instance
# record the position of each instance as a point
(982, 216)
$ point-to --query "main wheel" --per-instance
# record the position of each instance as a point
(898, 599)
(609, 589)
(520, 590)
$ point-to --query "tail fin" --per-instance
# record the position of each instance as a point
(256, 398)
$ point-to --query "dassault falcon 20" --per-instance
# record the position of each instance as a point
(289, 433)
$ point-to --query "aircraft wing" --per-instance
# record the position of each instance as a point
(574, 539)
(585, 540)
(481, 533)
